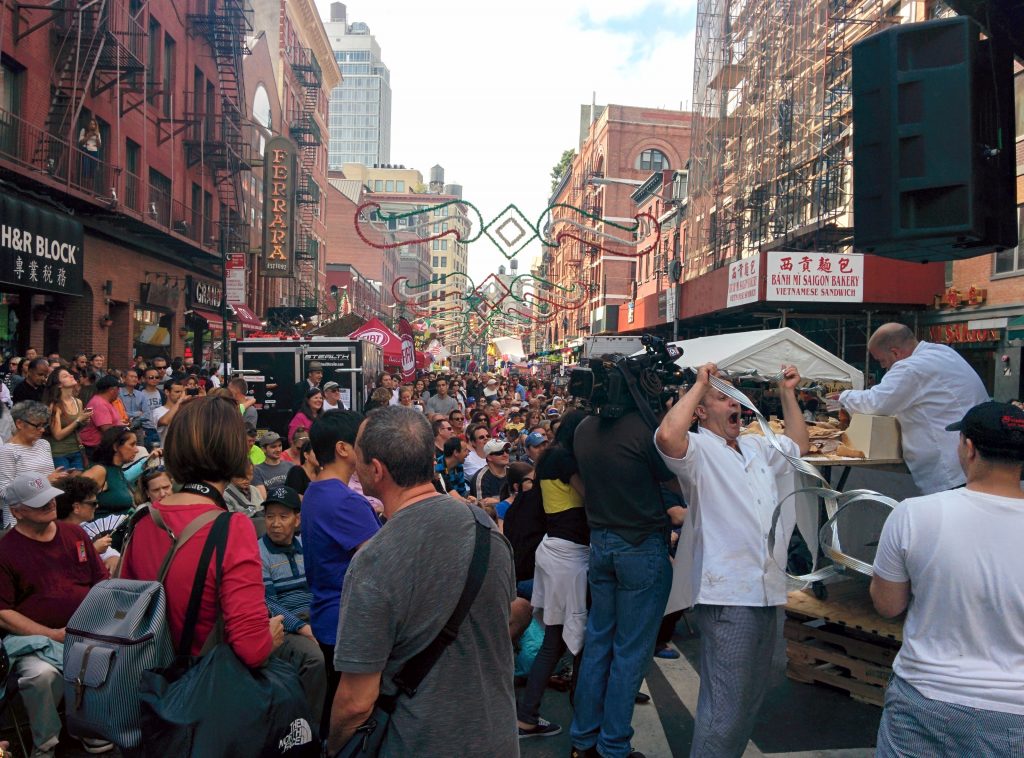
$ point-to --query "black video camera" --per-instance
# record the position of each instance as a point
(612, 386)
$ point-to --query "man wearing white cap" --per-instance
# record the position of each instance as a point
(46, 569)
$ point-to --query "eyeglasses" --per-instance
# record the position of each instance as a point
(35, 426)
(92, 502)
(457, 418)
(481, 439)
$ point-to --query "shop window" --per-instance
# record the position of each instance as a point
(1012, 261)
(12, 79)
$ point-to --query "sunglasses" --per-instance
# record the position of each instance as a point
(92, 502)
(504, 451)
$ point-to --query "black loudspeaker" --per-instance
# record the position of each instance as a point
(933, 143)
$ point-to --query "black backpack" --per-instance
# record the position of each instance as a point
(525, 526)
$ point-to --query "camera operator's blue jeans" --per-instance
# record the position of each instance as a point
(629, 586)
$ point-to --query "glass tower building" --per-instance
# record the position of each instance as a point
(360, 113)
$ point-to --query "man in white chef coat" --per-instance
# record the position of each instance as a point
(926, 387)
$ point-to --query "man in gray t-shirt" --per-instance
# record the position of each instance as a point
(401, 589)
(441, 402)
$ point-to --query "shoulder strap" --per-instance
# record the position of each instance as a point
(178, 542)
(217, 540)
(416, 668)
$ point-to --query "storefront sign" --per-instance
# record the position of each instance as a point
(203, 293)
(630, 311)
(234, 279)
(160, 295)
(952, 334)
(815, 277)
(744, 279)
(279, 208)
(671, 304)
(40, 249)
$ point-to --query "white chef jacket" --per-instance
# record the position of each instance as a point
(926, 391)
(723, 557)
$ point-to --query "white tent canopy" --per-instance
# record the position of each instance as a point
(510, 346)
(765, 352)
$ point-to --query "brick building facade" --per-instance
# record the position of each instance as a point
(157, 193)
(619, 149)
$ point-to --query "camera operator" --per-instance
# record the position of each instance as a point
(630, 576)
(727, 570)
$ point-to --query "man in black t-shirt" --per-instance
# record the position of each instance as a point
(630, 575)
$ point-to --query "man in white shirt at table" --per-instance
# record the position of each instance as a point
(726, 568)
(926, 387)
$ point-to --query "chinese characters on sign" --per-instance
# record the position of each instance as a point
(744, 278)
(40, 249)
(279, 207)
(815, 277)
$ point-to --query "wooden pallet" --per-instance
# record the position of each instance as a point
(841, 641)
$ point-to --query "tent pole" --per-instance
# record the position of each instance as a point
(867, 355)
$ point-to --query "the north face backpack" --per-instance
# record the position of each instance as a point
(118, 632)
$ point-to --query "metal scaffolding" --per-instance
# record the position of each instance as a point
(771, 163)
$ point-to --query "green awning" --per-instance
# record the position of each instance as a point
(1015, 328)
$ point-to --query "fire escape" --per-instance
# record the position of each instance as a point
(98, 45)
(216, 138)
(304, 129)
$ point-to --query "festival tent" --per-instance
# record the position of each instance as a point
(377, 332)
(510, 346)
(763, 353)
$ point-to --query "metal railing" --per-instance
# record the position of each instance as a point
(108, 185)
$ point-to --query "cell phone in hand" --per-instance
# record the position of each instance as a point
(193, 391)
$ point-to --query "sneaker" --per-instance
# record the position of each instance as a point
(668, 653)
(38, 752)
(579, 752)
(95, 746)
(542, 729)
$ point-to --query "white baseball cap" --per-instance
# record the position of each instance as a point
(32, 490)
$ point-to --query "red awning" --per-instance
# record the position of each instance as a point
(377, 332)
(246, 317)
(209, 316)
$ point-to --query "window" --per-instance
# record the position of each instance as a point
(435, 261)
(389, 185)
(378, 185)
(1012, 260)
(10, 103)
(261, 107)
(168, 78)
(652, 160)
(444, 261)
(159, 209)
(400, 185)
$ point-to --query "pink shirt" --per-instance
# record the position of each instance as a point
(103, 414)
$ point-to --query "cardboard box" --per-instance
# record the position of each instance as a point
(878, 437)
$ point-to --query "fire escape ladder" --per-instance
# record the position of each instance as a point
(306, 132)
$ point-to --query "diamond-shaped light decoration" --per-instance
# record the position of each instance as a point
(510, 231)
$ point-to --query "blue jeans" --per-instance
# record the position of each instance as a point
(629, 586)
(69, 462)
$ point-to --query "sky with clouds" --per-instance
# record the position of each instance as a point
(492, 91)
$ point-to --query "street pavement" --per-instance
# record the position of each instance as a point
(796, 721)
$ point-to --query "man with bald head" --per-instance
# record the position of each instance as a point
(926, 387)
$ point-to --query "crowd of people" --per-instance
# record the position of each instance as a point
(454, 512)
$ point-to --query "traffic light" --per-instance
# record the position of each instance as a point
(933, 142)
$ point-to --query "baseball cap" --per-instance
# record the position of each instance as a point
(332, 386)
(552, 411)
(992, 426)
(285, 496)
(496, 446)
(491, 381)
(32, 490)
(107, 382)
(470, 401)
(533, 439)
(268, 439)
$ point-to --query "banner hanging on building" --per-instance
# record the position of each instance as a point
(278, 208)
(408, 350)
(810, 277)
(40, 249)
(744, 279)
